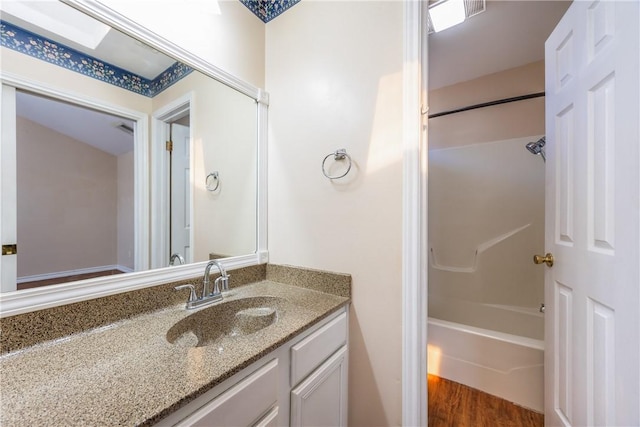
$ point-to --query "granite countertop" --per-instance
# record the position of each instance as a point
(127, 373)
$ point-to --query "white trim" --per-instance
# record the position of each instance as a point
(141, 202)
(262, 177)
(18, 302)
(414, 221)
(79, 271)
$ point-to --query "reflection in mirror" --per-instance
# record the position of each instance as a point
(90, 205)
(75, 213)
(218, 126)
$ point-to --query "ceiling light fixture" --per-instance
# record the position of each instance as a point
(445, 14)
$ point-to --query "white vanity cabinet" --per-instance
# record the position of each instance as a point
(319, 376)
(321, 399)
(301, 383)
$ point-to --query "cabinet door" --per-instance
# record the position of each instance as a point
(321, 399)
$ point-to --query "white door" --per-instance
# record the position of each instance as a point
(180, 192)
(592, 338)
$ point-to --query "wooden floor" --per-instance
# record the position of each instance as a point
(456, 405)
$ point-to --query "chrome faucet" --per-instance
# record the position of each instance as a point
(208, 297)
(175, 257)
(222, 280)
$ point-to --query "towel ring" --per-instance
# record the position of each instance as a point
(213, 176)
(339, 154)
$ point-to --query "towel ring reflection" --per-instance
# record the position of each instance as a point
(339, 154)
(213, 176)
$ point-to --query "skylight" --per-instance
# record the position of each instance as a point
(60, 19)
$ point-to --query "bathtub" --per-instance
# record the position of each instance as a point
(504, 365)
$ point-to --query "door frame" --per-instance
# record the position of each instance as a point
(8, 187)
(160, 191)
(414, 215)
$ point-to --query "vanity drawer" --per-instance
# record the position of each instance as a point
(317, 347)
(243, 403)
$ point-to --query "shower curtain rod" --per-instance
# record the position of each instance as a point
(487, 104)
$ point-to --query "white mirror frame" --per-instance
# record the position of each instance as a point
(12, 303)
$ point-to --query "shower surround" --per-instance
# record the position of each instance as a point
(486, 216)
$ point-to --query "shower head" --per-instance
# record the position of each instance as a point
(534, 148)
(537, 147)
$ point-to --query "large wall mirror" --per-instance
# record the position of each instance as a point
(133, 162)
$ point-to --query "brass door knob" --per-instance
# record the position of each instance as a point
(547, 259)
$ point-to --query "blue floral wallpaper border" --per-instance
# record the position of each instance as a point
(31, 44)
(267, 10)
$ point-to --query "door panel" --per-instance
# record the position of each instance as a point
(564, 337)
(180, 192)
(565, 185)
(592, 342)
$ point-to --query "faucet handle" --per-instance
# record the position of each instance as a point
(221, 284)
(216, 286)
(192, 293)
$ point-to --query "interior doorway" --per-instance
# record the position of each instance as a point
(172, 219)
(486, 200)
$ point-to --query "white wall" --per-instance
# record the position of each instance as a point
(67, 202)
(334, 74)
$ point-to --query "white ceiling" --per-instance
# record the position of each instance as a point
(508, 34)
(91, 127)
